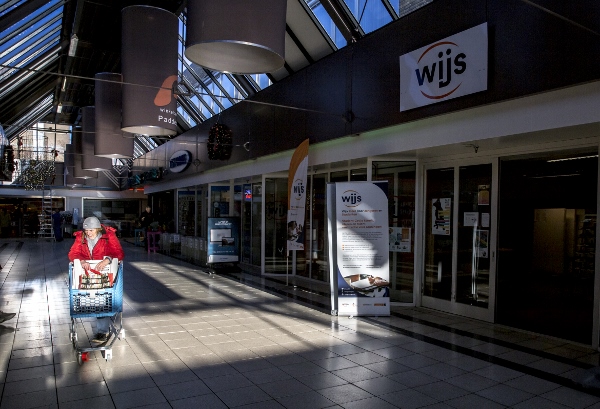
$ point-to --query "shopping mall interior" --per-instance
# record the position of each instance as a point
(218, 141)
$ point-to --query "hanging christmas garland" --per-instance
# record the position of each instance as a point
(220, 142)
(36, 174)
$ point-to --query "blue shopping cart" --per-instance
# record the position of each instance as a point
(97, 303)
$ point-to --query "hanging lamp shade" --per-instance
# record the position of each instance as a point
(78, 171)
(69, 159)
(237, 36)
(110, 140)
(70, 179)
(149, 41)
(88, 128)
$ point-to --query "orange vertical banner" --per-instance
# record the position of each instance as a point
(297, 197)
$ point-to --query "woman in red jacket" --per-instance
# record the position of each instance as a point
(97, 242)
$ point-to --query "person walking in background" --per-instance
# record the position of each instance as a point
(57, 225)
(146, 218)
(96, 242)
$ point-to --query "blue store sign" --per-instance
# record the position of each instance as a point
(180, 161)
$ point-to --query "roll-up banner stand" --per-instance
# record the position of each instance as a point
(358, 228)
(223, 240)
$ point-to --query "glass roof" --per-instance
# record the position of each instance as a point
(32, 43)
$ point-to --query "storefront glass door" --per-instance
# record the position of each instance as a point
(459, 239)
(275, 198)
(547, 245)
(401, 178)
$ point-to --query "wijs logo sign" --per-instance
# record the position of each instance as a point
(297, 177)
(298, 191)
(449, 68)
(351, 198)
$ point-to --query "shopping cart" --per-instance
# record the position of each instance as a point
(97, 302)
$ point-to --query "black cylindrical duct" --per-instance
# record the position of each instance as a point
(88, 130)
(238, 36)
(149, 38)
(78, 171)
(110, 140)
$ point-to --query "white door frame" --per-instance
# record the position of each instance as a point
(485, 314)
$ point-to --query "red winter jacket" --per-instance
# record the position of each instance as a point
(108, 245)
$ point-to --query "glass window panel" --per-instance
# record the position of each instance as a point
(276, 202)
(340, 176)
(259, 81)
(22, 34)
(473, 258)
(257, 217)
(327, 23)
(438, 233)
(30, 49)
(7, 8)
(317, 229)
(182, 113)
(38, 12)
(404, 7)
(358, 175)
(22, 24)
(370, 14)
(401, 178)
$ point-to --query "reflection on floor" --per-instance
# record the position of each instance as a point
(235, 340)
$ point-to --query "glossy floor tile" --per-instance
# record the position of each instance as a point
(235, 340)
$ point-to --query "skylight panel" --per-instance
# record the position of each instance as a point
(371, 15)
(326, 22)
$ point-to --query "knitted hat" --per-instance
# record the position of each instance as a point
(91, 223)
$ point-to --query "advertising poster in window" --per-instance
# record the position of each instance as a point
(223, 240)
(483, 195)
(400, 239)
(362, 247)
(482, 243)
(440, 220)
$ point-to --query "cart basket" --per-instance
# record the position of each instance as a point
(103, 302)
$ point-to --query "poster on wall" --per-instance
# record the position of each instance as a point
(483, 195)
(471, 219)
(360, 235)
(485, 220)
(440, 220)
(223, 240)
(482, 243)
(400, 239)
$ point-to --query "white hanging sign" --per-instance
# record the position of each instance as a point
(447, 69)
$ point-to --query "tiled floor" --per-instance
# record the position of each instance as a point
(200, 341)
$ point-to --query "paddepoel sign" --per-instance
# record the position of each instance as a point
(449, 68)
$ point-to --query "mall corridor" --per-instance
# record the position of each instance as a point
(195, 340)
